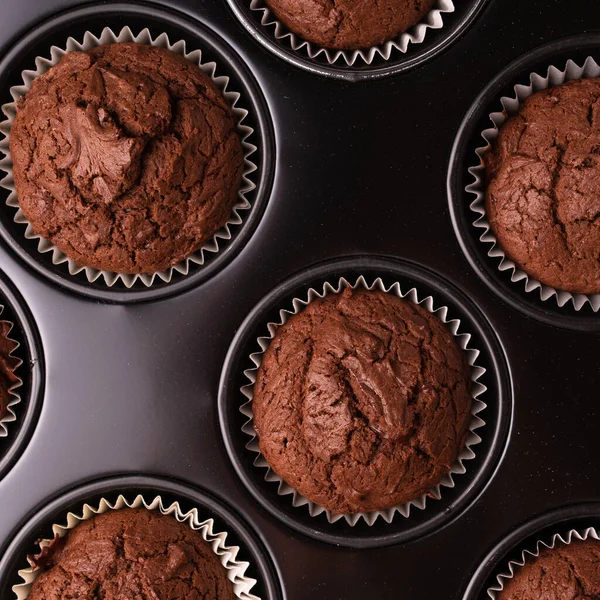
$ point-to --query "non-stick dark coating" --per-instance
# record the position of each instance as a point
(361, 168)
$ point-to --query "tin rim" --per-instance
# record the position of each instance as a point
(467, 139)
(569, 517)
(244, 82)
(23, 539)
(434, 44)
(32, 372)
(497, 415)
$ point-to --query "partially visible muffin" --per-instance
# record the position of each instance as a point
(543, 186)
(349, 24)
(131, 553)
(567, 572)
(8, 364)
(362, 401)
(126, 157)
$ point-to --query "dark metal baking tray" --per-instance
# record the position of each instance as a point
(122, 391)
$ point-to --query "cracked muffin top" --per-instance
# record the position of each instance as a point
(543, 186)
(349, 24)
(126, 157)
(8, 364)
(362, 401)
(566, 572)
(130, 554)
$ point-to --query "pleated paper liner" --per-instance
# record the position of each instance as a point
(13, 391)
(434, 19)
(477, 389)
(527, 555)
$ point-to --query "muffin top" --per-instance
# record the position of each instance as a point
(128, 554)
(566, 572)
(543, 194)
(362, 401)
(349, 24)
(126, 157)
(8, 364)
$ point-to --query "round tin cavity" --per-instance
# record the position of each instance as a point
(497, 415)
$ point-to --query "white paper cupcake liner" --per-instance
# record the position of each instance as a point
(477, 389)
(432, 20)
(236, 569)
(511, 106)
(222, 82)
(557, 539)
(13, 391)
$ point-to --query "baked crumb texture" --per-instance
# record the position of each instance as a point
(543, 187)
(349, 24)
(132, 554)
(126, 157)
(362, 401)
(566, 572)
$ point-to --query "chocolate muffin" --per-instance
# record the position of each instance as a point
(8, 364)
(131, 553)
(567, 572)
(126, 157)
(543, 187)
(349, 24)
(362, 401)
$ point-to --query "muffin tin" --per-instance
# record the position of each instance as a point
(138, 390)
